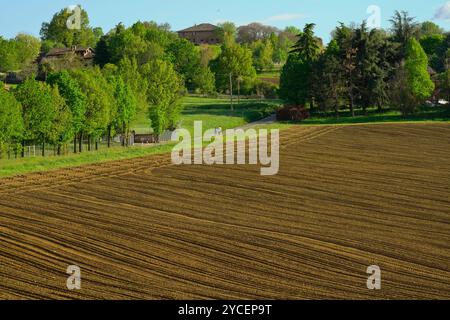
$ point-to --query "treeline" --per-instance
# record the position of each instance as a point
(145, 67)
(361, 68)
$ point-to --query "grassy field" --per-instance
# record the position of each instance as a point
(214, 112)
(272, 77)
(346, 197)
(425, 114)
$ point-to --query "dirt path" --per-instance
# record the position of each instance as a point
(345, 198)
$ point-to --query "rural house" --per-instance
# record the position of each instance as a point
(87, 55)
(64, 58)
(201, 34)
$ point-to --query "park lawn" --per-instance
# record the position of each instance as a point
(214, 113)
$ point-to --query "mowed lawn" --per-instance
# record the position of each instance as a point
(214, 113)
(345, 198)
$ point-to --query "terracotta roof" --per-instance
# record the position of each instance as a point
(200, 28)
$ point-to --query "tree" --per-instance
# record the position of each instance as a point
(163, 92)
(307, 46)
(236, 61)
(262, 55)
(38, 110)
(328, 80)
(429, 28)
(125, 107)
(416, 66)
(254, 32)
(27, 49)
(130, 72)
(294, 80)
(56, 32)
(185, 57)
(435, 47)
(347, 57)
(75, 99)
(99, 103)
(404, 27)
(227, 32)
(296, 84)
(19, 53)
(412, 84)
(204, 81)
(11, 122)
(61, 130)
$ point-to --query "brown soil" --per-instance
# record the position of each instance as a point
(345, 198)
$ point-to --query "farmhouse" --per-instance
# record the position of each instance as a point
(205, 33)
(85, 55)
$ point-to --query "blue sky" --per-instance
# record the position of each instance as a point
(27, 15)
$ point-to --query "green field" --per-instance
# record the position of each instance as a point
(373, 115)
(214, 112)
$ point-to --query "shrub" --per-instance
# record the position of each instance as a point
(293, 113)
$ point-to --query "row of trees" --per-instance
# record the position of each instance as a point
(75, 105)
(361, 68)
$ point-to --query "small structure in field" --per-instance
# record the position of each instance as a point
(204, 33)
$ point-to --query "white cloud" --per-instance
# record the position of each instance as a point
(284, 17)
(443, 12)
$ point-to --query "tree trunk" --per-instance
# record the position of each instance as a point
(109, 136)
(80, 142)
(124, 135)
(75, 144)
(96, 144)
(89, 143)
(23, 149)
(59, 150)
(352, 106)
(231, 91)
(380, 107)
(43, 148)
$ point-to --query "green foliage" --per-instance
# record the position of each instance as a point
(41, 107)
(185, 57)
(99, 100)
(56, 32)
(204, 81)
(262, 55)
(19, 53)
(296, 77)
(227, 32)
(144, 41)
(74, 97)
(125, 104)
(11, 123)
(416, 66)
(163, 92)
(237, 61)
(294, 80)
(435, 46)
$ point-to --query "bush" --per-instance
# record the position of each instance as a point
(267, 90)
(293, 113)
(260, 111)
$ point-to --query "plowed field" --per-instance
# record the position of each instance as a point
(345, 198)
